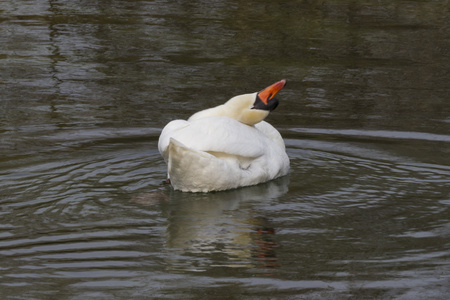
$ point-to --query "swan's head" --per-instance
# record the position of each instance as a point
(252, 108)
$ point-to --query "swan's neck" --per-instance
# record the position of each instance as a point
(238, 108)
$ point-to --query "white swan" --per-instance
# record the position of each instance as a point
(227, 146)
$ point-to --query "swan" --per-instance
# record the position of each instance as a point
(227, 146)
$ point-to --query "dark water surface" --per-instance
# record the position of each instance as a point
(86, 87)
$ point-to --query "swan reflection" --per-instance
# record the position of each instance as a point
(223, 229)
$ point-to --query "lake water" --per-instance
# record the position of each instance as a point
(87, 86)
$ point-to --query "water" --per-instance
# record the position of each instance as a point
(86, 87)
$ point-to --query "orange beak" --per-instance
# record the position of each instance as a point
(270, 91)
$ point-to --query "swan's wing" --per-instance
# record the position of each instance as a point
(164, 139)
(271, 133)
(215, 134)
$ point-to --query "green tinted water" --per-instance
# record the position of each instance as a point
(87, 86)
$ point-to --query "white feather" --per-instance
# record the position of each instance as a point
(214, 151)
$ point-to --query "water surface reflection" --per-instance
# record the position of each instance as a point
(224, 225)
(87, 86)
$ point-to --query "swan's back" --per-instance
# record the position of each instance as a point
(219, 153)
